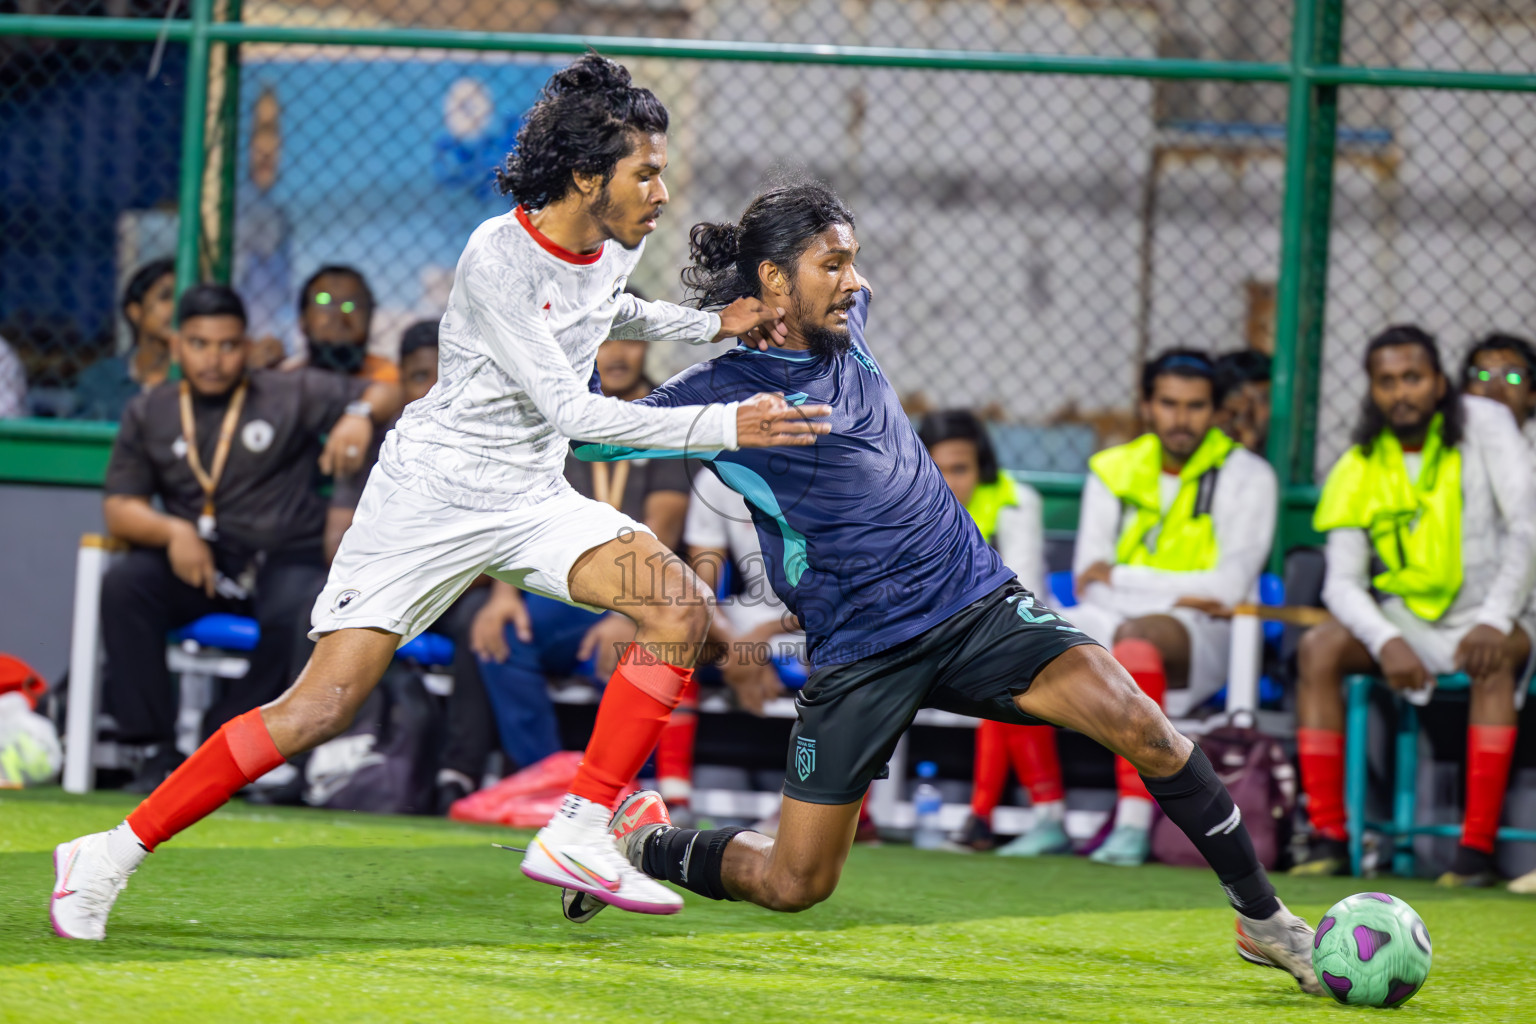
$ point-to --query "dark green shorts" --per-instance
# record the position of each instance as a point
(973, 663)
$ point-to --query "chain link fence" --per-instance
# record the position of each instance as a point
(1031, 236)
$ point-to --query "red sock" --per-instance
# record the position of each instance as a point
(1032, 749)
(990, 770)
(1144, 662)
(635, 709)
(674, 751)
(1322, 777)
(241, 752)
(1489, 751)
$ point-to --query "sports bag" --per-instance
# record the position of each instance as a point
(1262, 782)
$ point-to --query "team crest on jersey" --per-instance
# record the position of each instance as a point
(805, 757)
(257, 436)
(345, 598)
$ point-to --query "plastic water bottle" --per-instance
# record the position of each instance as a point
(928, 802)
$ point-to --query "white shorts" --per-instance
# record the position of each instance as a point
(1435, 643)
(1210, 642)
(407, 557)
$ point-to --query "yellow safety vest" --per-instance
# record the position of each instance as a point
(1183, 540)
(988, 501)
(1415, 526)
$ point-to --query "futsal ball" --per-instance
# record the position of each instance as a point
(1371, 949)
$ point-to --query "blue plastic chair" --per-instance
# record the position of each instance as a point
(240, 633)
(226, 632)
(1063, 595)
(1401, 829)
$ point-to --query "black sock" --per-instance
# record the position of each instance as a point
(689, 857)
(1195, 800)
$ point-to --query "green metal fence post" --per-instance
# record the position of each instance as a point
(229, 151)
(1311, 133)
(194, 114)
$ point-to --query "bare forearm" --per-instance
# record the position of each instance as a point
(386, 398)
(135, 521)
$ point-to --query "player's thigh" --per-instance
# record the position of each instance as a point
(588, 553)
(343, 670)
(809, 850)
(1087, 690)
(996, 649)
(403, 562)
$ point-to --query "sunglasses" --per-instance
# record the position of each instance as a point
(325, 299)
(1512, 377)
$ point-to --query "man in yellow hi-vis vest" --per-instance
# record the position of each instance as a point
(1174, 529)
(1431, 537)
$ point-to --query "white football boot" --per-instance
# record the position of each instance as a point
(86, 882)
(639, 815)
(1282, 941)
(576, 851)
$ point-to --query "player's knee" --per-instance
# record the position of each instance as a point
(680, 618)
(797, 893)
(1320, 652)
(1135, 629)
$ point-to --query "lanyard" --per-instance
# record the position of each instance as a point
(209, 481)
(609, 487)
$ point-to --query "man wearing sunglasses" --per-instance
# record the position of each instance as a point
(1500, 367)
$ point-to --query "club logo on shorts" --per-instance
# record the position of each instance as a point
(345, 598)
(805, 757)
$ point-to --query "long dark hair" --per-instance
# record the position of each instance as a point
(777, 227)
(582, 123)
(1372, 422)
(961, 425)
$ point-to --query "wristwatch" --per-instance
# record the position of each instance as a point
(360, 408)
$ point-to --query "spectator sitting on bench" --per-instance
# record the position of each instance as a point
(104, 388)
(522, 638)
(1010, 515)
(232, 458)
(1438, 491)
(1501, 367)
(1174, 529)
(1243, 379)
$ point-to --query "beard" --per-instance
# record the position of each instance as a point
(602, 210)
(828, 342)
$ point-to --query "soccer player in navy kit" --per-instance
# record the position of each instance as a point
(903, 603)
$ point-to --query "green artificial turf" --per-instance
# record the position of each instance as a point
(293, 915)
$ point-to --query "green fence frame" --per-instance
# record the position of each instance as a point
(35, 452)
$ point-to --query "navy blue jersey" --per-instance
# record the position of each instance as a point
(861, 537)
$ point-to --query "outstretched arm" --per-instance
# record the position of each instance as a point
(640, 320)
(523, 346)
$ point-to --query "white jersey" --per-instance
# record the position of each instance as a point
(516, 353)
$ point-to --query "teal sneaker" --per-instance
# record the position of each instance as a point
(1126, 847)
(1045, 838)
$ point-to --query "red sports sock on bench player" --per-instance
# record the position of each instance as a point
(635, 709)
(1144, 662)
(1490, 748)
(241, 752)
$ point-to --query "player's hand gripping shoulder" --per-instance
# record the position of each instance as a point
(751, 320)
(767, 421)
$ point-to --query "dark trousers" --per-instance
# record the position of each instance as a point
(470, 730)
(142, 601)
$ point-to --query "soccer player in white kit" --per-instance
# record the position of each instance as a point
(470, 482)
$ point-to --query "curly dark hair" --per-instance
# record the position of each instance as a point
(583, 123)
(777, 227)
(1372, 422)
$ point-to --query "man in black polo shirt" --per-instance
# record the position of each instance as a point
(233, 457)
